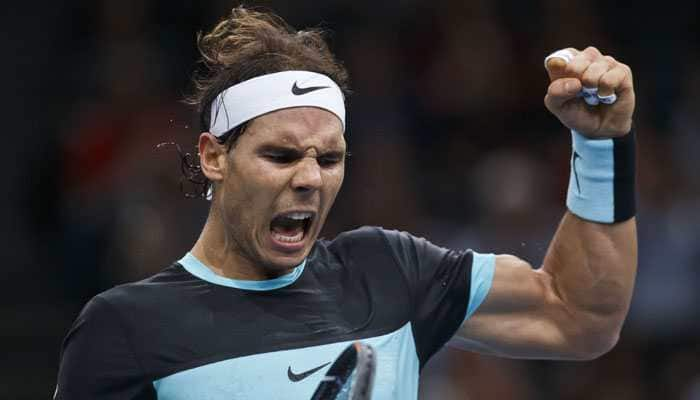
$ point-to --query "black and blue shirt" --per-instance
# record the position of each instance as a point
(187, 333)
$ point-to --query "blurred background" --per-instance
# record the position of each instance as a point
(447, 105)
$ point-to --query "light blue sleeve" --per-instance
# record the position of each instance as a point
(483, 266)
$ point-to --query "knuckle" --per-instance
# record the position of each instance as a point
(608, 81)
(591, 50)
(601, 65)
(590, 83)
(577, 65)
(626, 70)
(589, 79)
(592, 75)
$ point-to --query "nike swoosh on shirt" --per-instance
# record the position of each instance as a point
(297, 377)
(296, 90)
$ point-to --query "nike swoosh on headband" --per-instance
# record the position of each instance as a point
(297, 91)
(233, 106)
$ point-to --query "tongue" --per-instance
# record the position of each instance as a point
(287, 230)
(287, 226)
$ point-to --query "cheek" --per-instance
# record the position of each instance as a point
(239, 202)
(251, 195)
(247, 182)
(339, 176)
(334, 180)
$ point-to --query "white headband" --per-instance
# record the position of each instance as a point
(266, 93)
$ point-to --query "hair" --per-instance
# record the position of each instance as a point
(246, 44)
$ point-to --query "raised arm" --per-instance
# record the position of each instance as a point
(574, 305)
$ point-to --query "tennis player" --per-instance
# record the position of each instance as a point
(260, 307)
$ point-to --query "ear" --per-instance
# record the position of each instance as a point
(212, 157)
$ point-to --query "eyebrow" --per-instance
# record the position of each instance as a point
(293, 150)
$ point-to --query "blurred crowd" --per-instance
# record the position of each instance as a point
(447, 104)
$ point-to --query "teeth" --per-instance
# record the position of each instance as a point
(288, 239)
(299, 215)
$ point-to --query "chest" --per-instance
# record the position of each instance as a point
(295, 373)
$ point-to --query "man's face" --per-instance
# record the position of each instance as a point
(282, 177)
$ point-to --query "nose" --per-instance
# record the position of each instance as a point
(307, 177)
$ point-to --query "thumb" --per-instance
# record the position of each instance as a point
(555, 63)
(560, 91)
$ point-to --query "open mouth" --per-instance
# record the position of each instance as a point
(291, 228)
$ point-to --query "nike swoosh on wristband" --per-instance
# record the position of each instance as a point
(297, 91)
(297, 377)
(576, 156)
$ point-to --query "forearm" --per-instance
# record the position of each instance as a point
(593, 267)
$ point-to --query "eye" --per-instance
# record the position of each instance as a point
(329, 160)
(281, 157)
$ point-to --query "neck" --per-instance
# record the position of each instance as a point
(221, 254)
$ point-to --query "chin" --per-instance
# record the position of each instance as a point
(291, 260)
(282, 262)
(278, 266)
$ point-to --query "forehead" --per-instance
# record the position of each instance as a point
(299, 126)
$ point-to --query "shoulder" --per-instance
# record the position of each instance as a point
(358, 234)
(372, 246)
(400, 245)
(152, 291)
(360, 242)
(409, 252)
(369, 236)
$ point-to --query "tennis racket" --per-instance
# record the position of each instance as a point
(351, 376)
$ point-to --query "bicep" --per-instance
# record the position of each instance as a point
(522, 315)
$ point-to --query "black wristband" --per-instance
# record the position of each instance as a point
(625, 196)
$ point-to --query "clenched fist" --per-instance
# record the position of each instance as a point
(590, 69)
